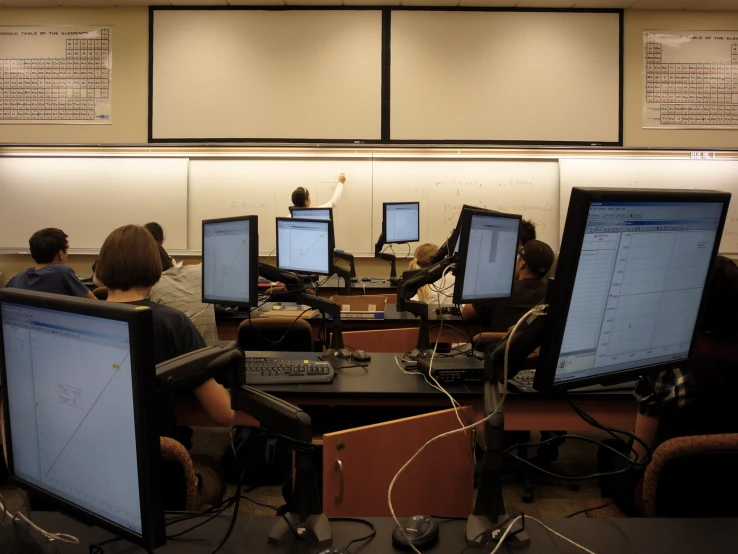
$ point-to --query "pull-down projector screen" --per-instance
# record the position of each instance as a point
(261, 74)
(520, 76)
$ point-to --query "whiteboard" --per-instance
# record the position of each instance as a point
(263, 187)
(505, 76)
(266, 74)
(89, 197)
(442, 187)
(664, 173)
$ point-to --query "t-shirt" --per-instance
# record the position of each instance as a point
(445, 285)
(56, 279)
(503, 313)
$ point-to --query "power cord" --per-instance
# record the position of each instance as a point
(284, 335)
(20, 516)
(368, 523)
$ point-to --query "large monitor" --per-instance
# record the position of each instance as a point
(629, 285)
(487, 252)
(451, 246)
(401, 222)
(305, 245)
(311, 213)
(80, 409)
(230, 261)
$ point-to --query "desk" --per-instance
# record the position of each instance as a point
(603, 536)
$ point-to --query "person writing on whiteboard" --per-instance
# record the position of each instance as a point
(301, 196)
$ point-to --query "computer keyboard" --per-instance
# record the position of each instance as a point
(283, 371)
(523, 381)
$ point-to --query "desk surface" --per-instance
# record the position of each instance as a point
(603, 536)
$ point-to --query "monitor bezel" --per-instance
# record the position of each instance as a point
(558, 297)
(143, 383)
(385, 205)
(463, 241)
(293, 209)
(331, 245)
(253, 278)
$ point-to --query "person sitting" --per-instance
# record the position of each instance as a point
(181, 288)
(51, 272)
(301, 196)
(443, 288)
(534, 262)
(527, 232)
(157, 232)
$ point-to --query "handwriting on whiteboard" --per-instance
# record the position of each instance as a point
(248, 205)
(524, 208)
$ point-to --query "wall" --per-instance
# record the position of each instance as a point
(636, 21)
(129, 93)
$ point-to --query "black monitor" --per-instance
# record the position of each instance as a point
(305, 245)
(80, 409)
(230, 261)
(311, 213)
(629, 285)
(451, 245)
(487, 252)
(401, 222)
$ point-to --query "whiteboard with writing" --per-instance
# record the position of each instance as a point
(649, 173)
(529, 188)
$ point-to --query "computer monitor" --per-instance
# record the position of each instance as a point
(488, 247)
(451, 245)
(305, 245)
(311, 213)
(629, 285)
(80, 419)
(230, 261)
(401, 222)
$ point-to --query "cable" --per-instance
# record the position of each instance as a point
(284, 335)
(408, 250)
(368, 523)
(20, 516)
(569, 477)
(260, 503)
(581, 438)
(593, 508)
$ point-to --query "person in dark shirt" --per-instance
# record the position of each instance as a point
(527, 232)
(51, 272)
(534, 261)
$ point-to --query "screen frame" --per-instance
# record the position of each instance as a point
(560, 290)
(303, 209)
(253, 280)
(331, 244)
(463, 242)
(385, 205)
(143, 384)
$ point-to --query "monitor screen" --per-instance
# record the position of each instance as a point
(305, 245)
(401, 222)
(488, 247)
(312, 213)
(230, 261)
(638, 271)
(71, 408)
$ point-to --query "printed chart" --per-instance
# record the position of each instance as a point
(691, 79)
(57, 75)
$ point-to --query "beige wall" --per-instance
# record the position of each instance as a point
(129, 92)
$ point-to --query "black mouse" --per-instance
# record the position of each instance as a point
(366, 279)
(421, 530)
(360, 356)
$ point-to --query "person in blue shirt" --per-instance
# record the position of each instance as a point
(51, 272)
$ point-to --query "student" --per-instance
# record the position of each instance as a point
(129, 266)
(301, 196)
(534, 262)
(527, 232)
(51, 272)
(157, 232)
(181, 288)
(445, 285)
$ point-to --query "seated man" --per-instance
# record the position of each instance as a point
(181, 288)
(534, 261)
(50, 274)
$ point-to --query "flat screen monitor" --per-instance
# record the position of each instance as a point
(401, 222)
(305, 245)
(80, 419)
(230, 261)
(488, 247)
(311, 213)
(451, 246)
(629, 285)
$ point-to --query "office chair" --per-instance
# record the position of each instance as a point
(283, 334)
(189, 484)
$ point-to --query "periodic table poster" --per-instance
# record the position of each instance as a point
(55, 75)
(690, 79)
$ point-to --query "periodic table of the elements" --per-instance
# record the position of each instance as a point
(691, 79)
(56, 75)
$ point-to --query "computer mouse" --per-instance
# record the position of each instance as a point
(366, 279)
(277, 306)
(421, 530)
(360, 356)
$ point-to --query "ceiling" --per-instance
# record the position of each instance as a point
(720, 5)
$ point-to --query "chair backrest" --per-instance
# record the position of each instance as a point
(285, 334)
(693, 476)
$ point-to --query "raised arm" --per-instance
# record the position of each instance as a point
(336, 198)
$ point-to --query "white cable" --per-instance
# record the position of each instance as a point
(535, 310)
(18, 516)
(501, 540)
